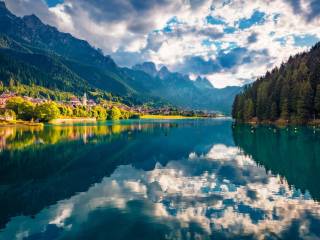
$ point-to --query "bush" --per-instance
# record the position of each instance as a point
(23, 109)
(65, 110)
(80, 112)
(47, 111)
(7, 114)
(10, 113)
(115, 113)
(14, 103)
(99, 113)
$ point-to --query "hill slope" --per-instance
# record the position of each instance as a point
(38, 55)
(291, 92)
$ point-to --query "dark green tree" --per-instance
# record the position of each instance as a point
(317, 102)
(248, 109)
(274, 111)
(304, 104)
(290, 92)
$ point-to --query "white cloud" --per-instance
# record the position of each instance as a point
(136, 31)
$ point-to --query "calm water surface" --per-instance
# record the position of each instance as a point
(187, 179)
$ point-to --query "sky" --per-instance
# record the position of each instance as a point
(231, 42)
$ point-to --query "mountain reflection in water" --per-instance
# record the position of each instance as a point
(159, 180)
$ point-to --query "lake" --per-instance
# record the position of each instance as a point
(143, 179)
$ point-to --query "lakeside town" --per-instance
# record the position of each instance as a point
(15, 107)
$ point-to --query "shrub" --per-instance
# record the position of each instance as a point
(47, 111)
(23, 109)
(115, 113)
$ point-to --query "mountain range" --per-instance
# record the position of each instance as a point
(181, 91)
(39, 56)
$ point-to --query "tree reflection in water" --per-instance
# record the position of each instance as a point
(182, 181)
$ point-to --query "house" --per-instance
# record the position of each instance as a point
(74, 101)
(6, 118)
(91, 103)
(4, 97)
(38, 100)
(87, 102)
(34, 100)
(84, 101)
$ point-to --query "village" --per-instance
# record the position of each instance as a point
(86, 103)
(73, 102)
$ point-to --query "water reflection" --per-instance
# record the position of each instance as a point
(42, 174)
(291, 152)
(185, 182)
(17, 138)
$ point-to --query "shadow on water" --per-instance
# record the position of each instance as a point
(293, 153)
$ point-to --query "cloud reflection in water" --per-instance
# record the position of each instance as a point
(223, 194)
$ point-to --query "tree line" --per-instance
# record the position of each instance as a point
(290, 92)
(20, 108)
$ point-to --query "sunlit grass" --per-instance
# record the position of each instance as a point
(18, 123)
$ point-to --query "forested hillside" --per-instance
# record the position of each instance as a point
(38, 60)
(290, 92)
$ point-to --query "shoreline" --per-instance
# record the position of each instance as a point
(19, 123)
(60, 121)
(280, 122)
(72, 120)
(168, 117)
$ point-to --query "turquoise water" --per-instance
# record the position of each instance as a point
(184, 179)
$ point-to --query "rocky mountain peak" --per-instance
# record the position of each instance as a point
(147, 67)
(32, 21)
(203, 83)
(164, 72)
(2, 5)
(3, 8)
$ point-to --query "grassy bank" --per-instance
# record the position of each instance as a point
(4, 123)
(168, 117)
(72, 120)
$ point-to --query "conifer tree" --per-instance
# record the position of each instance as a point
(274, 111)
(248, 109)
(291, 92)
(304, 101)
(317, 102)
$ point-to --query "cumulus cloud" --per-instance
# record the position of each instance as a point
(273, 31)
(22, 8)
(309, 9)
(123, 25)
(229, 42)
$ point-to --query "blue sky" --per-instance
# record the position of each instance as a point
(231, 42)
(52, 3)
